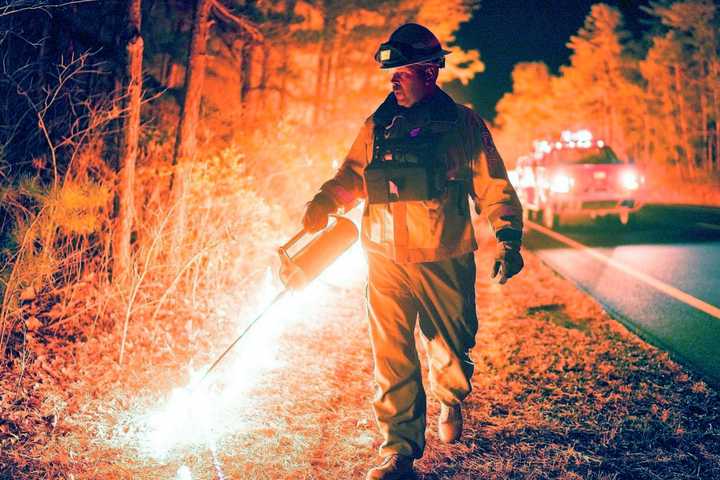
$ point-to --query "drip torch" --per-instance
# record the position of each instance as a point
(302, 259)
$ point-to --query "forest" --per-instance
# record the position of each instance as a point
(655, 100)
(155, 153)
(155, 143)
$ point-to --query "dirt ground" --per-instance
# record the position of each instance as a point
(560, 391)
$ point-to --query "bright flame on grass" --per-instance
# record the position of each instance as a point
(183, 473)
(200, 414)
(185, 407)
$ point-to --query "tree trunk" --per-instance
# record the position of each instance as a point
(646, 141)
(246, 71)
(43, 56)
(285, 66)
(715, 79)
(684, 134)
(164, 64)
(282, 103)
(607, 107)
(327, 93)
(667, 136)
(339, 50)
(186, 140)
(264, 72)
(324, 60)
(317, 100)
(122, 260)
(706, 160)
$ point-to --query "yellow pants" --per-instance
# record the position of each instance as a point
(441, 297)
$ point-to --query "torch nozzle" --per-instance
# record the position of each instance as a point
(242, 334)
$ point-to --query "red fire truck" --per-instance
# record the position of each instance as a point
(577, 177)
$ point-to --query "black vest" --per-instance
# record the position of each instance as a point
(409, 162)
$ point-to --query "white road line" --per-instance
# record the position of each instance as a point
(709, 226)
(711, 310)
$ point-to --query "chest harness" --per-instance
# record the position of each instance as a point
(410, 162)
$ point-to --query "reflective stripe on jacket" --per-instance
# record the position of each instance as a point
(425, 231)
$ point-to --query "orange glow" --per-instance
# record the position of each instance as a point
(202, 414)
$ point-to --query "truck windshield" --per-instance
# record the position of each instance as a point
(592, 156)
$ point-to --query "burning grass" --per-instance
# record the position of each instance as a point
(560, 391)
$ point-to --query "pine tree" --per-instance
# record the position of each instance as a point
(683, 63)
(593, 83)
(444, 17)
(526, 114)
(186, 141)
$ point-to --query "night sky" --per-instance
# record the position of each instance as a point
(508, 32)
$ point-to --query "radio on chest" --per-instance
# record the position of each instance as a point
(405, 169)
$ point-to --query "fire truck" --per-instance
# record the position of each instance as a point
(577, 177)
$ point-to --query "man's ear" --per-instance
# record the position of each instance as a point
(431, 74)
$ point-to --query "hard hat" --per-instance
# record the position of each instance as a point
(408, 45)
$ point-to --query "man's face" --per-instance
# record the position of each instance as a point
(409, 85)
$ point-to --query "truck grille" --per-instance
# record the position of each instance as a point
(599, 204)
(597, 186)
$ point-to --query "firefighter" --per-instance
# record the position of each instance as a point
(415, 162)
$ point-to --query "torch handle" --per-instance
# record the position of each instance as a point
(293, 240)
(288, 245)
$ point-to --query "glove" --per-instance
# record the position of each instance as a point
(317, 211)
(508, 261)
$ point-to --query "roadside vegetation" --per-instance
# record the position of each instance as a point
(560, 391)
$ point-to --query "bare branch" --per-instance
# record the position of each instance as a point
(25, 5)
(249, 27)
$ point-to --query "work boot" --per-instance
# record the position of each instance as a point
(450, 423)
(393, 467)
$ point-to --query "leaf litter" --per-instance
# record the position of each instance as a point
(560, 391)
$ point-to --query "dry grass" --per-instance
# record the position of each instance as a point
(560, 391)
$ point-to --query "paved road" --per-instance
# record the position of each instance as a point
(660, 276)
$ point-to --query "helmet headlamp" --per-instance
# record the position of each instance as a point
(393, 54)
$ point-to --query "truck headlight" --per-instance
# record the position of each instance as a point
(630, 180)
(561, 183)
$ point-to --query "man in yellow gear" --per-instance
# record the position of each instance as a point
(415, 162)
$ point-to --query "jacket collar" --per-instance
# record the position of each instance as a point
(438, 107)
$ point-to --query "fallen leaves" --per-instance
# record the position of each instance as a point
(560, 391)
(32, 324)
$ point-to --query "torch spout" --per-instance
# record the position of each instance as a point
(247, 328)
(299, 269)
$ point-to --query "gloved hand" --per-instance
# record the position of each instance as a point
(317, 211)
(508, 261)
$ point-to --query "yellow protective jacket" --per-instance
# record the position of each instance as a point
(425, 231)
